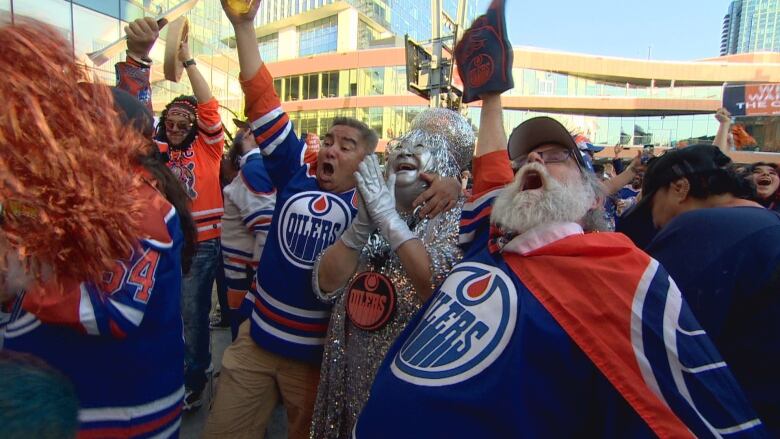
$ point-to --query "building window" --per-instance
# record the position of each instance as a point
(319, 36)
(330, 84)
(311, 87)
(291, 88)
(269, 47)
(107, 7)
(278, 86)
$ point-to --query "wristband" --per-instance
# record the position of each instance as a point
(189, 62)
(145, 61)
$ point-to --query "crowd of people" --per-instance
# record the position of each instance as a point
(476, 285)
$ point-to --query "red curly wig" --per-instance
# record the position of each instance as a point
(67, 184)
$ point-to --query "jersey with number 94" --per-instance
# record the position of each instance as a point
(120, 340)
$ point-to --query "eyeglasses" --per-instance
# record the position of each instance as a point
(556, 155)
(180, 126)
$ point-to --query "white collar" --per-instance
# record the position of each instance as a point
(247, 155)
(540, 236)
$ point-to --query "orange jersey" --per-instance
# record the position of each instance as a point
(197, 168)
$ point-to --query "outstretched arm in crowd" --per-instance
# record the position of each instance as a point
(495, 170)
(722, 137)
(612, 186)
(132, 75)
(271, 126)
(200, 88)
(491, 136)
(249, 59)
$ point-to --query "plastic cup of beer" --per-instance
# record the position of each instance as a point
(239, 6)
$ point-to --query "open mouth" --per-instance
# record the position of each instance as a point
(531, 180)
(405, 167)
(764, 181)
(327, 169)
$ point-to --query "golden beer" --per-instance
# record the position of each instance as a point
(239, 6)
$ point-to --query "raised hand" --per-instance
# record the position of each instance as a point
(380, 201)
(240, 11)
(184, 50)
(141, 36)
(723, 115)
(356, 236)
(441, 195)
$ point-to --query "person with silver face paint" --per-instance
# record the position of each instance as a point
(378, 279)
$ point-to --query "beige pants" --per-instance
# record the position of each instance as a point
(249, 387)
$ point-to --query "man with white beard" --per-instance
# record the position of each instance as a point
(546, 329)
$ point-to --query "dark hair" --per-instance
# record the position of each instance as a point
(722, 181)
(367, 135)
(753, 166)
(172, 190)
(162, 135)
(36, 401)
(235, 152)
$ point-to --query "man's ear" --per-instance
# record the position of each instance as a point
(679, 189)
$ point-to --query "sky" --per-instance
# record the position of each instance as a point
(675, 30)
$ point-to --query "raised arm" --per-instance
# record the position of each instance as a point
(722, 137)
(613, 185)
(246, 40)
(491, 136)
(132, 75)
(199, 85)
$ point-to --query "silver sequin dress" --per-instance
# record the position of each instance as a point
(352, 355)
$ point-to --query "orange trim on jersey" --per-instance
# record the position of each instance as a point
(491, 171)
(270, 132)
(136, 430)
(309, 327)
(485, 212)
(260, 89)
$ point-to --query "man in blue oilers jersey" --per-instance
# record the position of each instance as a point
(535, 333)
(278, 350)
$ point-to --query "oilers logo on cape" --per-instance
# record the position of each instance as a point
(466, 327)
(310, 222)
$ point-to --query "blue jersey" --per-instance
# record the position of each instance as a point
(120, 342)
(287, 318)
(486, 357)
(731, 279)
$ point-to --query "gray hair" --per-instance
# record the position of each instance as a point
(596, 218)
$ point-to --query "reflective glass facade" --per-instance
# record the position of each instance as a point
(400, 17)
(530, 82)
(751, 26)
(90, 25)
(319, 36)
(626, 130)
(388, 121)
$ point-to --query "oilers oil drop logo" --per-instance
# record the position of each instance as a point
(311, 221)
(464, 330)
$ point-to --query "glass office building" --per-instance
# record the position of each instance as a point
(346, 58)
(90, 25)
(751, 26)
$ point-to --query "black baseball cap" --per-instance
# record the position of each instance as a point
(676, 164)
(540, 131)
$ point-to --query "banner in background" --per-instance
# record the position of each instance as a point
(752, 99)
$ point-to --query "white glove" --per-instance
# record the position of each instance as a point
(380, 202)
(356, 236)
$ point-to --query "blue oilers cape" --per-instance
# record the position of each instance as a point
(644, 339)
(584, 337)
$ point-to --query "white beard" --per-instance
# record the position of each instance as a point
(519, 211)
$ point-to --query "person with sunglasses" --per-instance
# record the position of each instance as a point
(190, 137)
